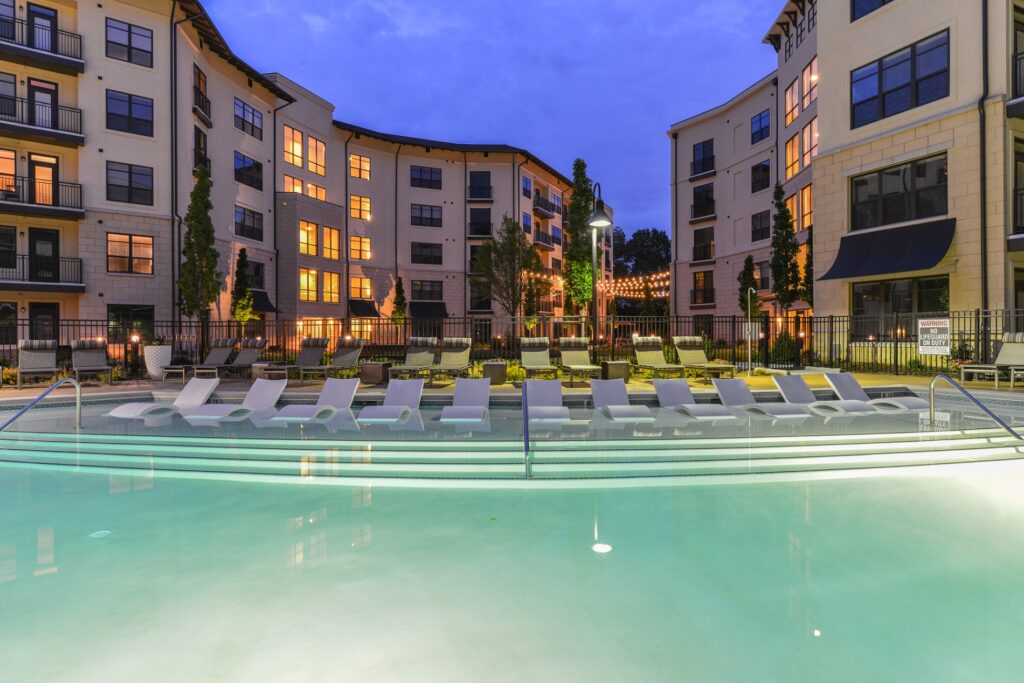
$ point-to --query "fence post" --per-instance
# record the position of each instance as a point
(895, 343)
(766, 332)
(981, 353)
(831, 341)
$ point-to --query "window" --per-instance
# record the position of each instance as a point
(360, 288)
(703, 158)
(332, 287)
(248, 223)
(199, 84)
(248, 120)
(556, 265)
(200, 147)
(556, 235)
(359, 248)
(292, 145)
(480, 185)
(8, 247)
(332, 243)
(792, 156)
(858, 8)
(900, 193)
(474, 252)
(129, 113)
(129, 43)
(360, 328)
(809, 81)
(259, 274)
(425, 176)
(307, 238)
(129, 254)
(761, 176)
(792, 101)
(527, 222)
(703, 288)
(527, 188)
(316, 191)
(762, 273)
(317, 156)
(806, 207)
(760, 226)
(359, 166)
(248, 171)
(129, 183)
(791, 205)
(359, 207)
(292, 184)
(761, 127)
(426, 215)
(480, 222)
(704, 244)
(427, 290)
(307, 284)
(426, 253)
(703, 201)
(479, 296)
(874, 305)
(810, 141)
(906, 79)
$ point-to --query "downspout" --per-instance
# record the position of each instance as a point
(982, 171)
(397, 152)
(516, 182)
(776, 125)
(674, 277)
(346, 170)
(273, 189)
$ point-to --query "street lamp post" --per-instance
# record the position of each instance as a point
(599, 219)
(750, 332)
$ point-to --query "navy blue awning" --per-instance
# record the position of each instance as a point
(428, 310)
(261, 302)
(363, 308)
(896, 250)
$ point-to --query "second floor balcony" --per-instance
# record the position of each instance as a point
(702, 167)
(201, 106)
(40, 44)
(41, 121)
(704, 296)
(32, 196)
(702, 211)
(704, 251)
(544, 206)
(480, 193)
(543, 239)
(480, 229)
(40, 273)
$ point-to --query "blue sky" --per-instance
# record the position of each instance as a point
(601, 79)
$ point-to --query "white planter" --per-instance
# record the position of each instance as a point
(157, 358)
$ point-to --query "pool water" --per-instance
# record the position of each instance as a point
(903, 576)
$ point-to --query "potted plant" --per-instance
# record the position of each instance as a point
(157, 354)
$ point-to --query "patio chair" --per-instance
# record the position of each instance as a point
(454, 361)
(675, 394)
(419, 356)
(345, 359)
(194, 394)
(650, 355)
(400, 400)
(1009, 358)
(735, 394)
(612, 399)
(576, 357)
(544, 402)
(848, 388)
(36, 358)
(469, 405)
(692, 357)
(261, 397)
(795, 391)
(89, 357)
(535, 356)
(311, 356)
(248, 353)
(220, 351)
(336, 397)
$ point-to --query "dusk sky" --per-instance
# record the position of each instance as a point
(601, 79)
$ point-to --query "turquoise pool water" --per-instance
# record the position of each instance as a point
(895, 577)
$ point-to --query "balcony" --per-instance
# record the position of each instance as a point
(702, 168)
(40, 122)
(480, 229)
(703, 211)
(542, 206)
(200, 160)
(201, 106)
(41, 46)
(545, 305)
(543, 239)
(22, 272)
(702, 297)
(704, 252)
(31, 197)
(479, 193)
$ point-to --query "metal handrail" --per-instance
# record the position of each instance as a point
(970, 397)
(526, 435)
(40, 397)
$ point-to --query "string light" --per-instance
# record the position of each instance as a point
(657, 284)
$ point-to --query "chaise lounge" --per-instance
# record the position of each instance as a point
(36, 358)
(576, 357)
(650, 355)
(692, 357)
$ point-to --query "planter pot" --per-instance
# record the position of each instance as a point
(157, 358)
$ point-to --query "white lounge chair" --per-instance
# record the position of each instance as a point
(194, 394)
(544, 402)
(400, 400)
(734, 393)
(261, 397)
(469, 406)
(795, 391)
(612, 399)
(336, 396)
(675, 394)
(848, 388)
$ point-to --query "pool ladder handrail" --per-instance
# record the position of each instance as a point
(40, 397)
(969, 396)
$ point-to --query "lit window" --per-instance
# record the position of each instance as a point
(359, 248)
(359, 207)
(292, 184)
(317, 156)
(792, 156)
(332, 243)
(316, 192)
(307, 238)
(332, 287)
(360, 328)
(791, 204)
(292, 146)
(307, 284)
(809, 80)
(359, 166)
(806, 207)
(129, 254)
(810, 141)
(360, 288)
(792, 101)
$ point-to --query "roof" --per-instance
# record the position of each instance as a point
(211, 36)
(453, 146)
(788, 15)
(708, 113)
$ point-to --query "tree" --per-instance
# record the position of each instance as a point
(199, 281)
(241, 291)
(508, 265)
(399, 307)
(647, 251)
(577, 273)
(620, 247)
(648, 308)
(786, 281)
(807, 286)
(748, 304)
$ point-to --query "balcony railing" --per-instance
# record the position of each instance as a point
(703, 296)
(704, 209)
(704, 252)
(543, 237)
(480, 229)
(201, 102)
(480, 192)
(41, 38)
(545, 306)
(22, 190)
(41, 115)
(1018, 212)
(199, 159)
(702, 166)
(26, 268)
(764, 282)
(545, 205)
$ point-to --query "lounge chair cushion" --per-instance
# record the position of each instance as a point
(463, 414)
(549, 414)
(629, 413)
(383, 414)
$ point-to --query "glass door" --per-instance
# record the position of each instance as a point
(42, 103)
(42, 28)
(43, 320)
(43, 255)
(42, 170)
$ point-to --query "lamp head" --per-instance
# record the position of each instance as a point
(599, 218)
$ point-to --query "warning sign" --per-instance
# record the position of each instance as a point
(933, 336)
